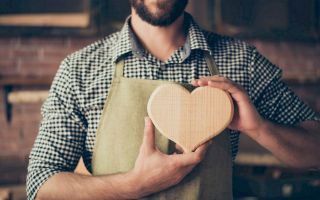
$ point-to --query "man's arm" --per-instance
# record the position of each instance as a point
(153, 172)
(62, 133)
(61, 141)
(296, 146)
(68, 185)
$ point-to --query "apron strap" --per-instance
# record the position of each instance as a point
(213, 68)
(118, 71)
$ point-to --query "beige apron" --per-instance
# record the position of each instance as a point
(120, 134)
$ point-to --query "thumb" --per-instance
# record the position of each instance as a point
(148, 137)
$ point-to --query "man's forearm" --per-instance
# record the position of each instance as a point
(154, 171)
(67, 185)
(295, 146)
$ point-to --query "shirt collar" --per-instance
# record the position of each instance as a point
(128, 42)
(196, 37)
(123, 44)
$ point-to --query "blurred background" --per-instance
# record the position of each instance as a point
(36, 35)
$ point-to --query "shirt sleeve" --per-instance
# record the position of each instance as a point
(61, 136)
(273, 99)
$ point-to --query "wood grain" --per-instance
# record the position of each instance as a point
(80, 20)
(35, 96)
(190, 119)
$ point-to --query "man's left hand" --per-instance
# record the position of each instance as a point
(246, 118)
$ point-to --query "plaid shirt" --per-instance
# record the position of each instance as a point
(79, 90)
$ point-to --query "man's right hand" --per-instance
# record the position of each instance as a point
(155, 171)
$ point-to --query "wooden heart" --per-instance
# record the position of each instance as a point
(190, 119)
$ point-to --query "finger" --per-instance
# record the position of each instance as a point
(218, 78)
(148, 137)
(199, 83)
(178, 149)
(208, 78)
(202, 149)
(236, 92)
(194, 83)
(221, 79)
(203, 81)
(192, 158)
(189, 158)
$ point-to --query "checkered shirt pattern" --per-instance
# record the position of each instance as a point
(71, 112)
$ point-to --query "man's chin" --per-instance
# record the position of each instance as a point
(160, 12)
(161, 21)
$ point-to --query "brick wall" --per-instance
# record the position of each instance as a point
(31, 56)
(27, 57)
(40, 56)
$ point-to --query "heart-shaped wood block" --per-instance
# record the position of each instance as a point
(190, 119)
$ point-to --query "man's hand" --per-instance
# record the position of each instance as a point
(294, 145)
(156, 171)
(246, 118)
(153, 172)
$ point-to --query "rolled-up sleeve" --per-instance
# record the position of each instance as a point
(61, 136)
(273, 99)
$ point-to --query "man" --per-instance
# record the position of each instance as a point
(160, 41)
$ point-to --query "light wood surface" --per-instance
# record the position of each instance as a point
(20, 97)
(81, 20)
(190, 119)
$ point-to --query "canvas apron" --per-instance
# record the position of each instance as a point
(120, 133)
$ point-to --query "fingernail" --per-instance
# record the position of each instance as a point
(145, 120)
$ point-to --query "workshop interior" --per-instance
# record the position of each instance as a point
(35, 36)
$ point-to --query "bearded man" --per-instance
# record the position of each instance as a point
(96, 109)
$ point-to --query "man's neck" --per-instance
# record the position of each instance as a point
(161, 42)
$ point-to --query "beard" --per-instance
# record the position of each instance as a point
(159, 12)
